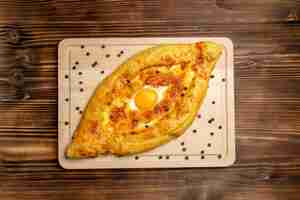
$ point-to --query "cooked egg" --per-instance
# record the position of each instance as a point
(147, 97)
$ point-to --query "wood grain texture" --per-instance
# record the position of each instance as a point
(266, 36)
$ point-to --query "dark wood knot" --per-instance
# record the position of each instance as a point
(16, 86)
(17, 78)
(224, 5)
(293, 16)
(13, 35)
(24, 58)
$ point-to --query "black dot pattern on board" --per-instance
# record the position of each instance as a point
(102, 72)
(182, 143)
(80, 82)
(194, 131)
(76, 63)
(219, 127)
(80, 112)
(136, 157)
(102, 46)
(202, 157)
(95, 64)
(159, 157)
(119, 55)
(184, 149)
(81, 89)
(186, 157)
(212, 133)
(66, 76)
(219, 156)
(212, 76)
(202, 152)
(121, 52)
(74, 67)
(107, 55)
(223, 79)
(87, 53)
(66, 123)
(213, 102)
(209, 145)
(167, 157)
(82, 46)
(66, 99)
(79, 73)
(77, 108)
(211, 120)
(199, 116)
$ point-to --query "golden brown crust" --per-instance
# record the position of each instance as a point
(106, 128)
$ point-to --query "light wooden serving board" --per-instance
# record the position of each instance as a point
(210, 140)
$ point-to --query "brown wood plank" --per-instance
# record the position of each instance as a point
(29, 114)
(205, 11)
(264, 108)
(27, 149)
(259, 182)
(256, 146)
(41, 34)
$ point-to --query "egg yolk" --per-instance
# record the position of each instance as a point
(146, 99)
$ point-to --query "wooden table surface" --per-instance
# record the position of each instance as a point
(266, 36)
